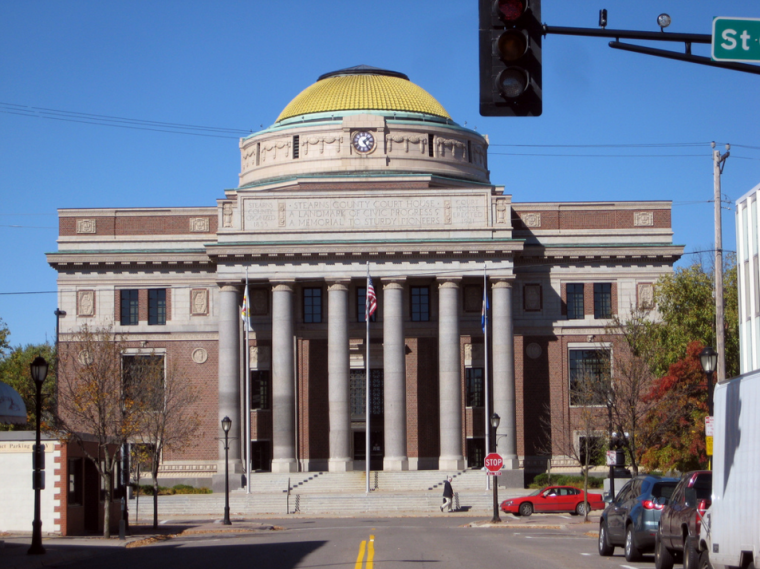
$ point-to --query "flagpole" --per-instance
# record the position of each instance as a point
(485, 369)
(247, 388)
(366, 378)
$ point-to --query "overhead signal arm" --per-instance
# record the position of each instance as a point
(687, 39)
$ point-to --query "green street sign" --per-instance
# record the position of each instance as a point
(736, 39)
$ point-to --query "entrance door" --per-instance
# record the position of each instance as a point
(376, 448)
(91, 497)
(261, 456)
(475, 453)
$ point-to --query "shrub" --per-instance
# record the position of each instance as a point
(542, 480)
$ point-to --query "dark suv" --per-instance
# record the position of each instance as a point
(631, 519)
(678, 531)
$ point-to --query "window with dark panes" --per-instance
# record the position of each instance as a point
(575, 301)
(260, 390)
(361, 307)
(312, 305)
(358, 393)
(589, 376)
(157, 306)
(130, 306)
(474, 383)
(420, 303)
(76, 487)
(602, 300)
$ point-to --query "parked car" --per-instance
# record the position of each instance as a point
(678, 530)
(553, 499)
(631, 519)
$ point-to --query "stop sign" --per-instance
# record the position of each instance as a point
(494, 462)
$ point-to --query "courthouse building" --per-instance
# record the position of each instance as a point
(365, 171)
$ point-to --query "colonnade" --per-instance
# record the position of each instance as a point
(394, 366)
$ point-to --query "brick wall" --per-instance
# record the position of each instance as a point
(590, 219)
(137, 225)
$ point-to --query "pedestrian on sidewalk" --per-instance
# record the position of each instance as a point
(448, 494)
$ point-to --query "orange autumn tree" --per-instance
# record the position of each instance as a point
(679, 416)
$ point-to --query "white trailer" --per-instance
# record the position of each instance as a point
(730, 532)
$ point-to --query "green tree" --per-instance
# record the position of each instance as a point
(678, 416)
(15, 371)
(4, 334)
(686, 306)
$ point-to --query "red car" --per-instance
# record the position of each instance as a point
(553, 499)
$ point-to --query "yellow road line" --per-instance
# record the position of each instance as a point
(370, 552)
(360, 558)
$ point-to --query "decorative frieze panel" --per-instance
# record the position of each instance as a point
(376, 212)
(86, 226)
(271, 148)
(643, 219)
(455, 148)
(260, 357)
(227, 214)
(199, 302)
(419, 143)
(334, 143)
(200, 355)
(199, 225)
(531, 219)
(532, 298)
(86, 303)
(645, 295)
(533, 351)
(502, 209)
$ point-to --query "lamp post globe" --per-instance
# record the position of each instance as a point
(709, 360)
(38, 369)
(226, 425)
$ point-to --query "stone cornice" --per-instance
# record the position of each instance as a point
(602, 252)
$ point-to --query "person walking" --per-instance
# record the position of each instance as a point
(448, 494)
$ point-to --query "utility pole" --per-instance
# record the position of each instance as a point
(720, 345)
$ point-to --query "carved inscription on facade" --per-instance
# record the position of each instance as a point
(643, 218)
(646, 296)
(86, 226)
(365, 213)
(531, 219)
(199, 302)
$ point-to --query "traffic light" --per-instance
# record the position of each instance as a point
(510, 58)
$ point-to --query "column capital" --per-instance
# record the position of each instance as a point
(283, 286)
(393, 282)
(338, 284)
(449, 282)
(229, 287)
(502, 282)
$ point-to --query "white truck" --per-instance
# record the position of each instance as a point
(730, 530)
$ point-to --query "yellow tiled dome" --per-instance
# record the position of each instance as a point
(363, 91)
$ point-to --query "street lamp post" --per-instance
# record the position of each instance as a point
(709, 360)
(39, 369)
(495, 420)
(226, 424)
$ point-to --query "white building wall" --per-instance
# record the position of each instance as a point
(748, 245)
(16, 493)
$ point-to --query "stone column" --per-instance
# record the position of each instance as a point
(338, 377)
(450, 376)
(283, 382)
(229, 381)
(504, 373)
(394, 376)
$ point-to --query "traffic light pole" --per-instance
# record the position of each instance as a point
(687, 39)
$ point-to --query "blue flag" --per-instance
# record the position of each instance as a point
(484, 312)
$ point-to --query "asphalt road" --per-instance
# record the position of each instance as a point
(382, 543)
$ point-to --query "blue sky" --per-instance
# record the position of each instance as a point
(235, 65)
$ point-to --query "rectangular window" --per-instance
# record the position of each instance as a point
(575, 302)
(532, 300)
(358, 393)
(361, 309)
(129, 307)
(143, 380)
(260, 390)
(312, 305)
(157, 306)
(258, 153)
(474, 381)
(296, 144)
(602, 300)
(75, 481)
(431, 142)
(594, 455)
(420, 304)
(469, 151)
(589, 377)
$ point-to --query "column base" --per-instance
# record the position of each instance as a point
(340, 465)
(284, 465)
(511, 464)
(451, 463)
(395, 464)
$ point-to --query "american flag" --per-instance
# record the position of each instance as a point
(371, 300)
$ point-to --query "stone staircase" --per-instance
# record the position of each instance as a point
(338, 494)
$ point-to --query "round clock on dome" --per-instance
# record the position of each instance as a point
(363, 141)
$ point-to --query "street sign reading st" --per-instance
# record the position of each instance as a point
(736, 39)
